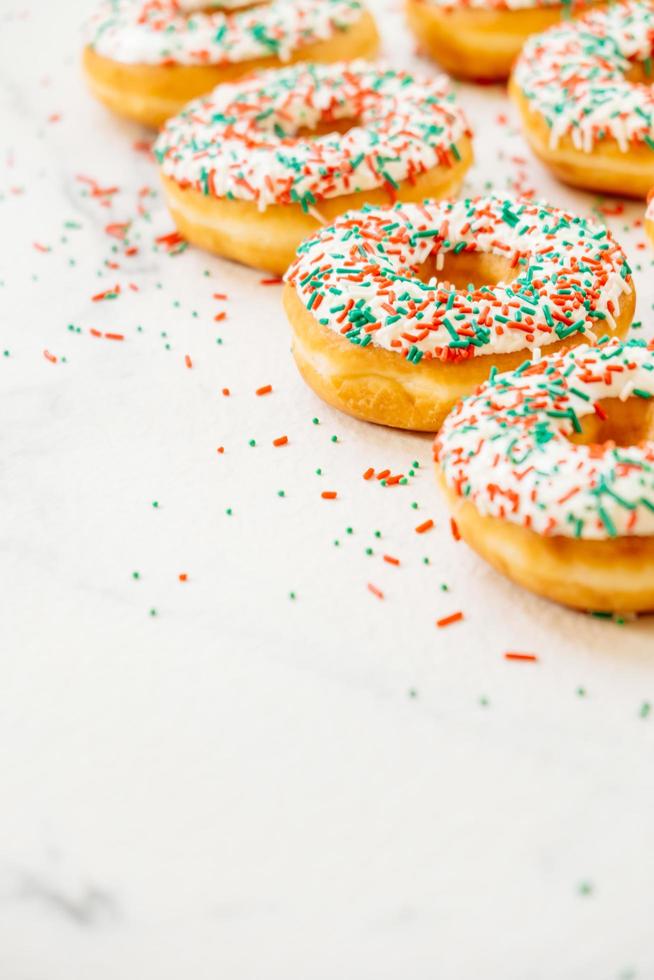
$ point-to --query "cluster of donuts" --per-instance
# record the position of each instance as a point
(496, 322)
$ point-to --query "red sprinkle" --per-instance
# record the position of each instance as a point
(521, 656)
(49, 357)
(425, 526)
(454, 527)
(368, 475)
(188, 361)
(329, 495)
(183, 576)
(265, 390)
(375, 591)
(391, 560)
(226, 392)
(447, 620)
(280, 441)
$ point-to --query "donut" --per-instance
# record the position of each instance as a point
(549, 472)
(649, 217)
(392, 322)
(254, 167)
(145, 59)
(584, 93)
(480, 39)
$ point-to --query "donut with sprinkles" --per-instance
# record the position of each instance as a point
(480, 39)
(584, 91)
(255, 167)
(145, 59)
(549, 471)
(397, 313)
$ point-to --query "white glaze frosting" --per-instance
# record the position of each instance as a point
(156, 32)
(240, 141)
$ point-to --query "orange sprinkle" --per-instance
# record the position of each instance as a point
(221, 449)
(220, 316)
(114, 336)
(264, 390)
(183, 576)
(391, 560)
(375, 591)
(329, 495)
(425, 526)
(49, 357)
(226, 392)
(369, 473)
(280, 441)
(220, 295)
(188, 361)
(271, 282)
(520, 656)
(447, 620)
(454, 527)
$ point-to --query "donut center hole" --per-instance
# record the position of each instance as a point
(190, 8)
(640, 72)
(468, 269)
(627, 423)
(325, 126)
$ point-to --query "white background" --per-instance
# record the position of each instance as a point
(246, 785)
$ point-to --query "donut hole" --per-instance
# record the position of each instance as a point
(627, 423)
(468, 270)
(325, 126)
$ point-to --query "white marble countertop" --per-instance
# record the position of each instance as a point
(244, 784)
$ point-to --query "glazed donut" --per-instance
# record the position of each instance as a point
(649, 217)
(480, 39)
(550, 475)
(586, 103)
(145, 59)
(255, 167)
(391, 321)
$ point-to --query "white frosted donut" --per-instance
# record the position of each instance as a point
(393, 283)
(288, 149)
(550, 472)
(146, 33)
(584, 89)
(147, 58)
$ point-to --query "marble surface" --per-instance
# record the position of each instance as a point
(209, 778)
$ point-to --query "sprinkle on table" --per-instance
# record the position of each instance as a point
(448, 620)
